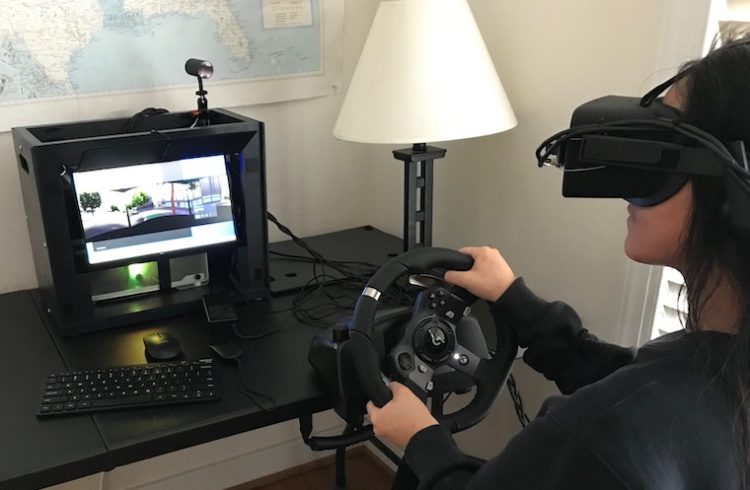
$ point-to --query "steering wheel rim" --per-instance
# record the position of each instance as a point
(489, 375)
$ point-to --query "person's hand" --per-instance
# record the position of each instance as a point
(400, 418)
(488, 278)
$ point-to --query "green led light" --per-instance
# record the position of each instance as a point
(135, 270)
(142, 274)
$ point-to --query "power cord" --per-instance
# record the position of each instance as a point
(231, 352)
(251, 394)
(327, 301)
(314, 253)
(515, 395)
(138, 117)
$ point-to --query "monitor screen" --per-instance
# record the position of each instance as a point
(155, 208)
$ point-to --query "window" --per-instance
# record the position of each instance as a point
(671, 307)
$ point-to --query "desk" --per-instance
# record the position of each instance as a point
(45, 452)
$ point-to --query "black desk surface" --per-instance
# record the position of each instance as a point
(44, 452)
(54, 450)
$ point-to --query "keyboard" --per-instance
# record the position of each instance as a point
(124, 387)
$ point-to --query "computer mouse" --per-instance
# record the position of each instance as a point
(161, 345)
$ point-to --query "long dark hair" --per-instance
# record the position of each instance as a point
(716, 98)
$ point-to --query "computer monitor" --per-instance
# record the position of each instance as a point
(139, 211)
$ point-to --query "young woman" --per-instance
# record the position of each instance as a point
(673, 414)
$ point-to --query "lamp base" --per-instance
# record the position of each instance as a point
(418, 182)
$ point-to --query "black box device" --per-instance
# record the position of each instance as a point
(132, 219)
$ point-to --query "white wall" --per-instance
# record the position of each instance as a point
(739, 9)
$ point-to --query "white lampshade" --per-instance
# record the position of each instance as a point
(424, 75)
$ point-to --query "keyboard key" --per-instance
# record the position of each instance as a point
(54, 399)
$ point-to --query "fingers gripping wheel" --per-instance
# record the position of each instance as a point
(430, 345)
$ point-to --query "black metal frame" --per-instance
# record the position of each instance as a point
(418, 182)
(45, 154)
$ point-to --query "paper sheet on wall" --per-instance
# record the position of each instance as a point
(67, 60)
(286, 13)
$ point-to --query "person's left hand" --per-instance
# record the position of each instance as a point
(400, 418)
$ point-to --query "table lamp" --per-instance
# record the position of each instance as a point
(424, 75)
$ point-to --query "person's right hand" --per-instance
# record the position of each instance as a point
(488, 278)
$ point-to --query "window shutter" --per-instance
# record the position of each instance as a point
(671, 309)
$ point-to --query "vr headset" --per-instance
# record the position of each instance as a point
(638, 149)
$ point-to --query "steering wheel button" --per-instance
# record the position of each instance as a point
(432, 295)
(467, 310)
(405, 361)
(463, 360)
(433, 305)
(422, 368)
(428, 386)
(442, 302)
(450, 315)
(441, 292)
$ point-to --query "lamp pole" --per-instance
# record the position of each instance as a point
(418, 182)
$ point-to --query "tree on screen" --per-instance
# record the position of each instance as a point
(90, 201)
(138, 200)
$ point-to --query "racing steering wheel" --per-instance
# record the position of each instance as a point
(431, 345)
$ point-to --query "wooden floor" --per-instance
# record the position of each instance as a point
(364, 471)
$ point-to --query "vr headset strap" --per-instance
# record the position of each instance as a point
(694, 161)
(648, 154)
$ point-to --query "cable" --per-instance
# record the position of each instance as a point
(139, 116)
(302, 258)
(331, 293)
(515, 395)
(297, 240)
(251, 394)
(703, 138)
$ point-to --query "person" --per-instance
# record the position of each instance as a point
(673, 414)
